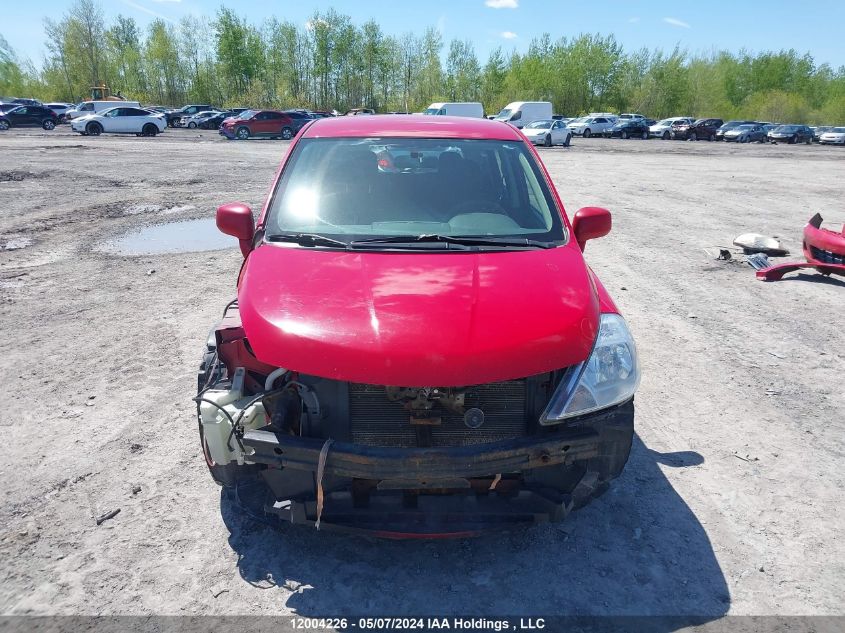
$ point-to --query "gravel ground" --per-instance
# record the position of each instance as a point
(728, 503)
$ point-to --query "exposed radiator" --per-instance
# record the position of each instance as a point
(376, 421)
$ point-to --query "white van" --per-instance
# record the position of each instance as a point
(521, 113)
(93, 107)
(470, 109)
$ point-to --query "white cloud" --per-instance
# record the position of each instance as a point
(677, 22)
(634, 20)
(502, 4)
(508, 35)
(155, 14)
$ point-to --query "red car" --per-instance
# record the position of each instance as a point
(267, 123)
(417, 347)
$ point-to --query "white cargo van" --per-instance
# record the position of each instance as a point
(93, 107)
(470, 109)
(521, 113)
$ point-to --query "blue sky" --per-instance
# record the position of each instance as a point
(817, 26)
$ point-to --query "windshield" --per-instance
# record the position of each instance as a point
(837, 130)
(539, 125)
(744, 126)
(504, 114)
(354, 188)
(432, 111)
(787, 128)
(246, 114)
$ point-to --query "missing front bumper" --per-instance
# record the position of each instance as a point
(438, 492)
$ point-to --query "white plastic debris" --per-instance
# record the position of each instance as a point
(756, 243)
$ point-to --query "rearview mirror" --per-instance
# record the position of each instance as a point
(590, 223)
(235, 219)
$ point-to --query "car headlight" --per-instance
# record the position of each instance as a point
(608, 377)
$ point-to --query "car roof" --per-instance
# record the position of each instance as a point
(411, 126)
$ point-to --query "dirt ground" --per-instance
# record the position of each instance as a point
(728, 504)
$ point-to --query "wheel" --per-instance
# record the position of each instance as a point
(645, 136)
(568, 140)
(623, 134)
(4, 125)
(48, 124)
(743, 139)
(809, 141)
(149, 129)
(94, 129)
(242, 133)
(793, 140)
(287, 133)
(711, 138)
(665, 136)
(171, 123)
(192, 125)
(693, 136)
(548, 141)
(228, 475)
(587, 133)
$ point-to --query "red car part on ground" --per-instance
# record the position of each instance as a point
(823, 248)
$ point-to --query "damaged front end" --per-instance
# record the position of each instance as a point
(824, 250)
(418, 461)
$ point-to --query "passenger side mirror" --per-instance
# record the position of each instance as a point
(235, 219)
(590, 223)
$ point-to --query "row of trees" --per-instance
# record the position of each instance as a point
(330, 62)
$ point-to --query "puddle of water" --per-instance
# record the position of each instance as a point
(188, 236)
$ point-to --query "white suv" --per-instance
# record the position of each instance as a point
(587, 126)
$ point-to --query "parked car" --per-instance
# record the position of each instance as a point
(216, 120)
(834, 136)
(588, 126)
(745, 133)
(252, 123)
(818, 131)
(630, 115)
(791, 134)
(120, 120)
(359, 112)
(26, 102)
(521, 113)
(627, 128)
(312, 388)
(702, 129)
(60, 109)
(730, 125)
(195, 120)
(93, 107)
(174, 117)
(28, 116)
(663, 128)
(299, 118)
(548, 132)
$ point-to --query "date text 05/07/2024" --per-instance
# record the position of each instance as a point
(418, 624)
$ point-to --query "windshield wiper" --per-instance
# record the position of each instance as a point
(306, 239)
(455, 239)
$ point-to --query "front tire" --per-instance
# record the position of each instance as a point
(548, 141)
(645, 136)
(568, 140)
(149, 129)
(587, 133)
(191, 125)
(48, 124)
(623, 135)
(287, 133)
(94, 129)
(665, 136)
(693, 136)
(4, 125)
(242, 133)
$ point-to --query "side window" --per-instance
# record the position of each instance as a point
(601, 120)
(517, 115)
(273, 116)
(22, 110)
(88, 107)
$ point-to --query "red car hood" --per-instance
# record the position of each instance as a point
(418, 319)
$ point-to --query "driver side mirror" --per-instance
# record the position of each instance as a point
(235, 219)
(590, 223)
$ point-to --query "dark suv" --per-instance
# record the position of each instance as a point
(701, 129)
(791, 134)
(28, 116)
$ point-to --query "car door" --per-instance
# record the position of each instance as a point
(133, 119)
(112, 121)
(20, 117)
(273, 123)
(558, 134)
